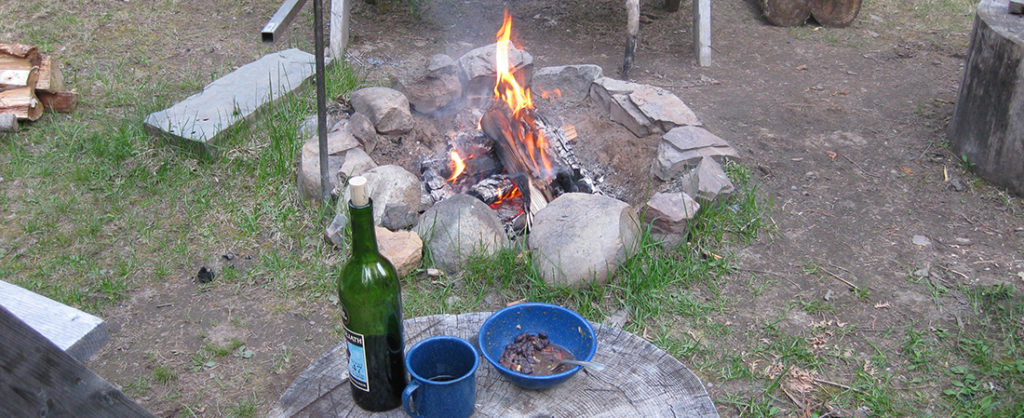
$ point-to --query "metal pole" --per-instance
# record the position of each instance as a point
(321, 105)
(281, 19)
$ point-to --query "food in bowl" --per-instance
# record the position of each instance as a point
(534, 354)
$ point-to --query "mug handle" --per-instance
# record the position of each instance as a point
(407, 400)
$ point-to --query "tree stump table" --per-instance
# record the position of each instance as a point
(640, 380)
(987, 127)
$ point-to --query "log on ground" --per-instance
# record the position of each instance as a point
(835, 13)
(786, 12)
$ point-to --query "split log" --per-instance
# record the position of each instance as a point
(60, 101)
(22, 102)
(786, 12)
(19, 66)
(835, 13)
(50, 77)
(987, 127)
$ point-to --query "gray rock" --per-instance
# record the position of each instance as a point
(398, 216)
(387, 108)
(309, 125)
(339, 142)
(458, 227)
(624, 112)
(682, 148)
(356, 162)
(441, 64)
(335, 232)
(662, 107)
(921, 240)
(388, 185)
(579, 238)
(603, 88)
(572, 81)
(433, 93)
(477, 70)
(403, 249)
(707, 181)
(362, 128)
(233, 97)
(670, 215)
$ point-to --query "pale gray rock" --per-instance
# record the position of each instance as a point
(571, 81)
(404, 249)
(458, 227)
(921, 240)
(662, 107)
(624, 112)
(603, 89)
(388, 185)
(682, 148)
(234, 97)
(309, 125)
(579, 238)
(387, 108)
(670, 215)
(707, 181)
(362, 128)
(335, 232)
(356, 162)
(477, 70)
(441, 64)
(339, 142)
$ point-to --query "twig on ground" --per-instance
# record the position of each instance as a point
(852, 286)
(862, 170)
(954, 271)
(838, 385)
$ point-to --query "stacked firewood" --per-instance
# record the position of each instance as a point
(29, 83)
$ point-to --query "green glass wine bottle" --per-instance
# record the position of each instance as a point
(371, 304)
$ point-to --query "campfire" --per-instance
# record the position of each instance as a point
(515, 161)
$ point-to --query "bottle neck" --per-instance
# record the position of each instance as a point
(364, 239)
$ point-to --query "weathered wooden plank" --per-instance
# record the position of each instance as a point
(338, 38)
(640, 380)
(702, 31)
(78, 333)
(37, 378)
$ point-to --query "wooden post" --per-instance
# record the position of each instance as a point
(702, 31)
(339, 28)
(39, 379)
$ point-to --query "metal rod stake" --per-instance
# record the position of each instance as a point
(321, 100)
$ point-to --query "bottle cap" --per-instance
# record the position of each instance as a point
(357, 189)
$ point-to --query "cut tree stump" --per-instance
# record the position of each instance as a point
(786, 12)
(987, 127)
(834, 13)
(640, 380)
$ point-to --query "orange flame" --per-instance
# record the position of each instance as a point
(511, 194)
(507, 89)
(459, 166)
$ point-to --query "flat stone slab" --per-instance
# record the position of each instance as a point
(234, 96)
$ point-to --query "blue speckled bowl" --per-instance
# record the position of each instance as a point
(563, 326)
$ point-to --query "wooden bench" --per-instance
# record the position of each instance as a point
(78, 333)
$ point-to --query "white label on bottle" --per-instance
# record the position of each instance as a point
(356, 360)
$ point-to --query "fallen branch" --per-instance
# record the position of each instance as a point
(852, 286)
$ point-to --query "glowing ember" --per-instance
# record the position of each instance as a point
(458, 166)
(507, 89)
(544, 94)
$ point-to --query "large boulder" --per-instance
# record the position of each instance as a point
(579, 238)
(572, 82)
(459, 227)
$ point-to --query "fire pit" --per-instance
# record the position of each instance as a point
(470, 127)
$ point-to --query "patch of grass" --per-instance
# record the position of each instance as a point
(164, 374)
(244, 408)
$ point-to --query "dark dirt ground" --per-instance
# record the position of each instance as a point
(843, 130)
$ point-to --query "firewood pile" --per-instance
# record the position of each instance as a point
(29, 83)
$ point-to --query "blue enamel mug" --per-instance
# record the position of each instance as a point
(442, 382)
